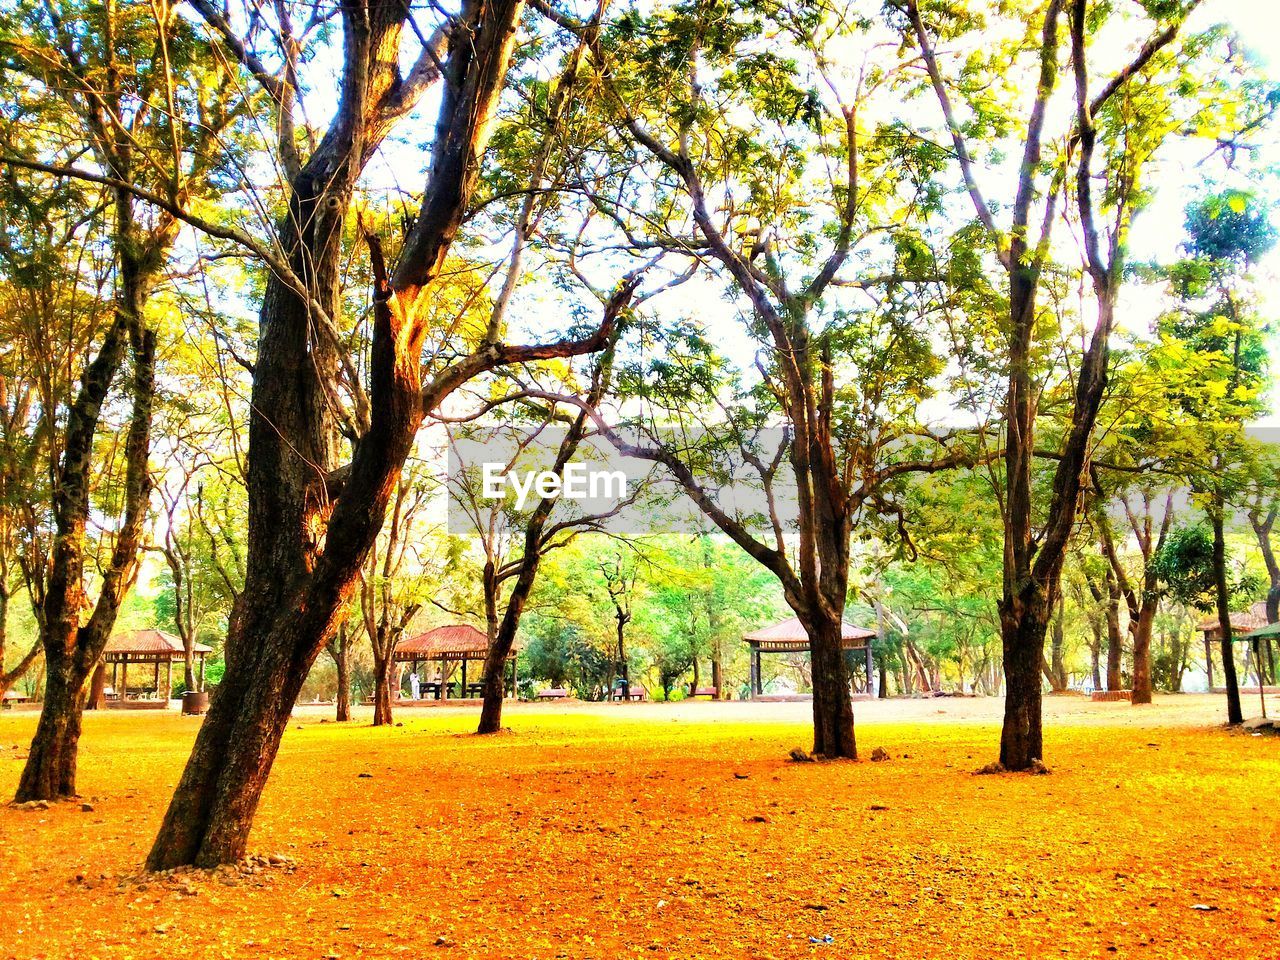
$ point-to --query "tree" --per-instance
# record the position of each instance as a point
(297, 583)
(515, 542)
(1149, 519)
(394, 585)
(340, 647)
(1117, 124)
(75, 53)
(1217, 325)
(724, 129)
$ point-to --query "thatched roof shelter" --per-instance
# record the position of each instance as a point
(454, 641)
(449, 645)
(790, 636)
(1242, 622)
(161, 650)
(149, 646)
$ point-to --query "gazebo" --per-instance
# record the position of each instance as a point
(450, 645)
(1242, 622)
(790, 636)
(154, 647)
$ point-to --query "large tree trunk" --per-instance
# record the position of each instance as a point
(833, 733)
(296, 591)
(50, 772)
(1022, 632)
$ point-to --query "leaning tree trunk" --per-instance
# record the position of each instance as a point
(73, 651)
(306, 545)
(492, 691)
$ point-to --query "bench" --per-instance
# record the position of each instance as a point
(634, 693)
(553, 693)
(711, 692)
(14, 696)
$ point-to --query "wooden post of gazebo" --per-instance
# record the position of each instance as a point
(1208, 658)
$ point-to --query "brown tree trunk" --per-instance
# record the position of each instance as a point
(1057, 648)
(833, 733)
(1235, 711)
(620, 649)
(1115, 642)
(1022, 635)
(502, 632)
(343, 698)
(9, 677)
(72, 651)
(295, 592)
(50, 771)
(1141, 632)
(383, 689)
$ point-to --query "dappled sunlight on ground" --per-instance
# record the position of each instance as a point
(673, 830)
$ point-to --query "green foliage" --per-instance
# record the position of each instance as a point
(1231, 226)
(1185, 565)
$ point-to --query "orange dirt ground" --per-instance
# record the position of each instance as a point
(673, 831)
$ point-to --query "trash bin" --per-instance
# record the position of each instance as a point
(194, 703)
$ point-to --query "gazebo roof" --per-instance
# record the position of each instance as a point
(1252, 619)
(152, 644)
(452, 641)
(790, 634)
(1270, 630)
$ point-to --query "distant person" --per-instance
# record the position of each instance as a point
(414, 688)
